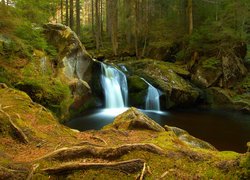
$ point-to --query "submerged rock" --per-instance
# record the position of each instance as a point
(134, 119)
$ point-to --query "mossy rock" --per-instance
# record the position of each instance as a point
(137, 91)
(134, 119)
(207, 72)
(165, 76)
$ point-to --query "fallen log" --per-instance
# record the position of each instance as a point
(130, 166)
(99, 152)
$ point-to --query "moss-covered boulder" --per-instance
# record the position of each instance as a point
(227, 99)
(74, 64)
(167, 77)
(137, 91)
(207, 72)
(192, 141)
(134, 119)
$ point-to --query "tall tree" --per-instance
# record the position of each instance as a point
(114, 25)
(67, 12)
(71, 14)
(61, 4)
(78, 19)
(190, 16)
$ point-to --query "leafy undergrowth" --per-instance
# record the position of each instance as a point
(45, 135)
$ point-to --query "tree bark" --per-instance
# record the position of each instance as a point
(61, 4)
(190, 16)
(71, 14)
(114, 26)
(67, 12)
(78, 19)
(97, 25)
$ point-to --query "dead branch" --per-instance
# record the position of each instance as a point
(99, 139)
(20, 134)
(143, 172)
(33, 169)
(100, 152)
(129, 166)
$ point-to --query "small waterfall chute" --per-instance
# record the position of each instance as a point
(152, 98)
(114, 83)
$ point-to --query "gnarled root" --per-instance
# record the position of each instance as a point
(100, 152)
(129, 166)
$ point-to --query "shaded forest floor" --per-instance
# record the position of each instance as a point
(40, 148)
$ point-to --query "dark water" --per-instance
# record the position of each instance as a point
(224, 130)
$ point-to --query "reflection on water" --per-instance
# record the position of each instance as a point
(224, 130)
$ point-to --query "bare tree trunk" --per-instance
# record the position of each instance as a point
(108, 17)
(190, 16)
(61, 4)
(71, 14)
(93, 17)
(114, 21)
(78, 20)
(97, 25)
(67, 12)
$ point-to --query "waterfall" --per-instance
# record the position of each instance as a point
(114, 84)
(152, 98)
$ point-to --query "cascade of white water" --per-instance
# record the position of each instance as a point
(152, 98)
(115, 87)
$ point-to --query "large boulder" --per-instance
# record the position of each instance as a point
(224, 72)
(137, 91)
(192, 141)
(73, 64)
(227, 99)
(207, 72)
(134, 119)
(167, 77)
(73, 57)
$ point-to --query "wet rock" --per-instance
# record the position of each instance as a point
(134, 119)
(185, 137)
(137, 91)
(168, 78)
(207, 72)
(233, 70)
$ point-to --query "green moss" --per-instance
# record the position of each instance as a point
(211, 63)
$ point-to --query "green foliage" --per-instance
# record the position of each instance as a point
(211, 63)
(32, 36)
(36, 12)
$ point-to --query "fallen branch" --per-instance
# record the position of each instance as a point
(33, 169)
(99, 139)
(130, 166)
(143, 171)
(100, 152)
(20, 134)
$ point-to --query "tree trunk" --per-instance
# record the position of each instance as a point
(71, 14)
(93, 17)
(67, 12)
(190, 16)
(114, 21)
(97, 25)
(108, 17)
(78, 20)
(61, 4)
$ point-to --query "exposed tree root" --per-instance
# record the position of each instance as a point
(130, 166)
(99, 139)
(33, 169)
(143, 171)
(100, 152)
(19, 133)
